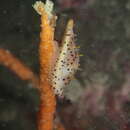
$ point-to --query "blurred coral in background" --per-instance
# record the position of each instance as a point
(70, 3)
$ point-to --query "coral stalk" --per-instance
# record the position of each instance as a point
(47, 51)
(57, 65)
(17, 67)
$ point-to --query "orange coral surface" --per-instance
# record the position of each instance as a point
(17, 67)
(47, 53)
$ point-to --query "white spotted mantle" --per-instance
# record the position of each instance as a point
(67, 62)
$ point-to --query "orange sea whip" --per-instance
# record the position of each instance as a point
(67, 61)
(47, 53)
(57, 65)
(17, 67)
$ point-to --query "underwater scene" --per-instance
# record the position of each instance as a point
(65, 65)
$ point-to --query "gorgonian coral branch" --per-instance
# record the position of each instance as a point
(47, 52)
(17, 67)
(57, 64)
